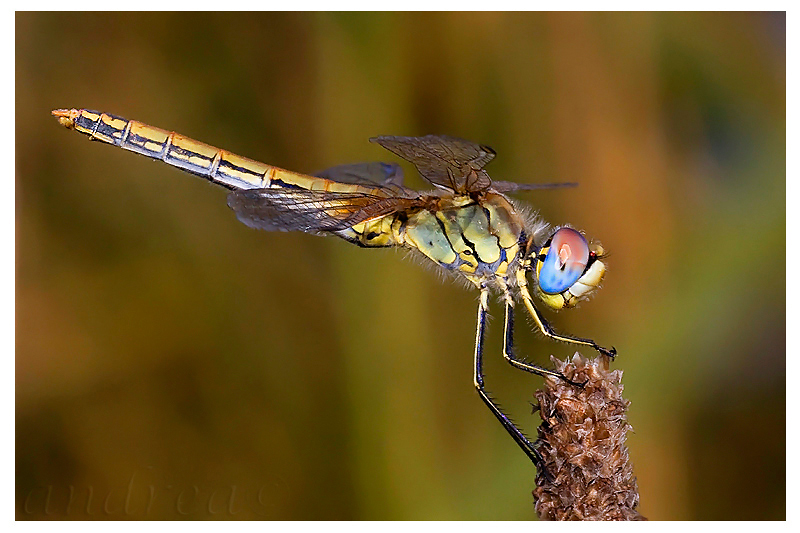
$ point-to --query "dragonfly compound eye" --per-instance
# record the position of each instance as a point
(565, 261)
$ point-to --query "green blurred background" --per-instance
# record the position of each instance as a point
(172, 363)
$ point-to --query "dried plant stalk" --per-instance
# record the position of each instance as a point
(582, 442)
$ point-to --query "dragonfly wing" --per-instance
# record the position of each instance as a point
(444, 161)
(510, 186)
(365, 173)
(316, 212)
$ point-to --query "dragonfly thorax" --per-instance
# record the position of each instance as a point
(478, 236)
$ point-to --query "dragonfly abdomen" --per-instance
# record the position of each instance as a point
(218, 166)
(377, 233)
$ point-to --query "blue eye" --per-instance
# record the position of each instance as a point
(565, 261)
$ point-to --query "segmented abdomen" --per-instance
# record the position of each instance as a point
(216, 165)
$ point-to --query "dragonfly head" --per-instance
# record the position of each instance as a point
(567, 269)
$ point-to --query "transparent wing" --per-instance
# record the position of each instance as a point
(510, 186)
(447, 162)
(365, 174)
(310, 211)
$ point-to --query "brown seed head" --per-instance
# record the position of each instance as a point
(582, 442)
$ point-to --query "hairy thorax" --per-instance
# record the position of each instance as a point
(477, 236)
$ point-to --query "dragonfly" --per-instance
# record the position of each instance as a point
(467, 225)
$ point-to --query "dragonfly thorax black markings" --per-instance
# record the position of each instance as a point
(478, 237)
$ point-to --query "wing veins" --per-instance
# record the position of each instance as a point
(311, 211)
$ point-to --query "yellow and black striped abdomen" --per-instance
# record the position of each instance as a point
(219, 166)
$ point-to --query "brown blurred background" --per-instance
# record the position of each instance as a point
(172, 363)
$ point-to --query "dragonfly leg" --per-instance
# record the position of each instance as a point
(519, 437)
(547, 329)
(508, 350)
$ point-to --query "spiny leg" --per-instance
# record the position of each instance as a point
(508, 349)
(547, 330)
(522, 441)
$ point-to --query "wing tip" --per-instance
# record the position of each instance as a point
(380, 139)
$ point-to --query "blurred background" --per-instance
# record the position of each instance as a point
(173, 363)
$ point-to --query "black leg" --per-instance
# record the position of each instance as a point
(508, 350)
(547, 330)
(519, 437)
